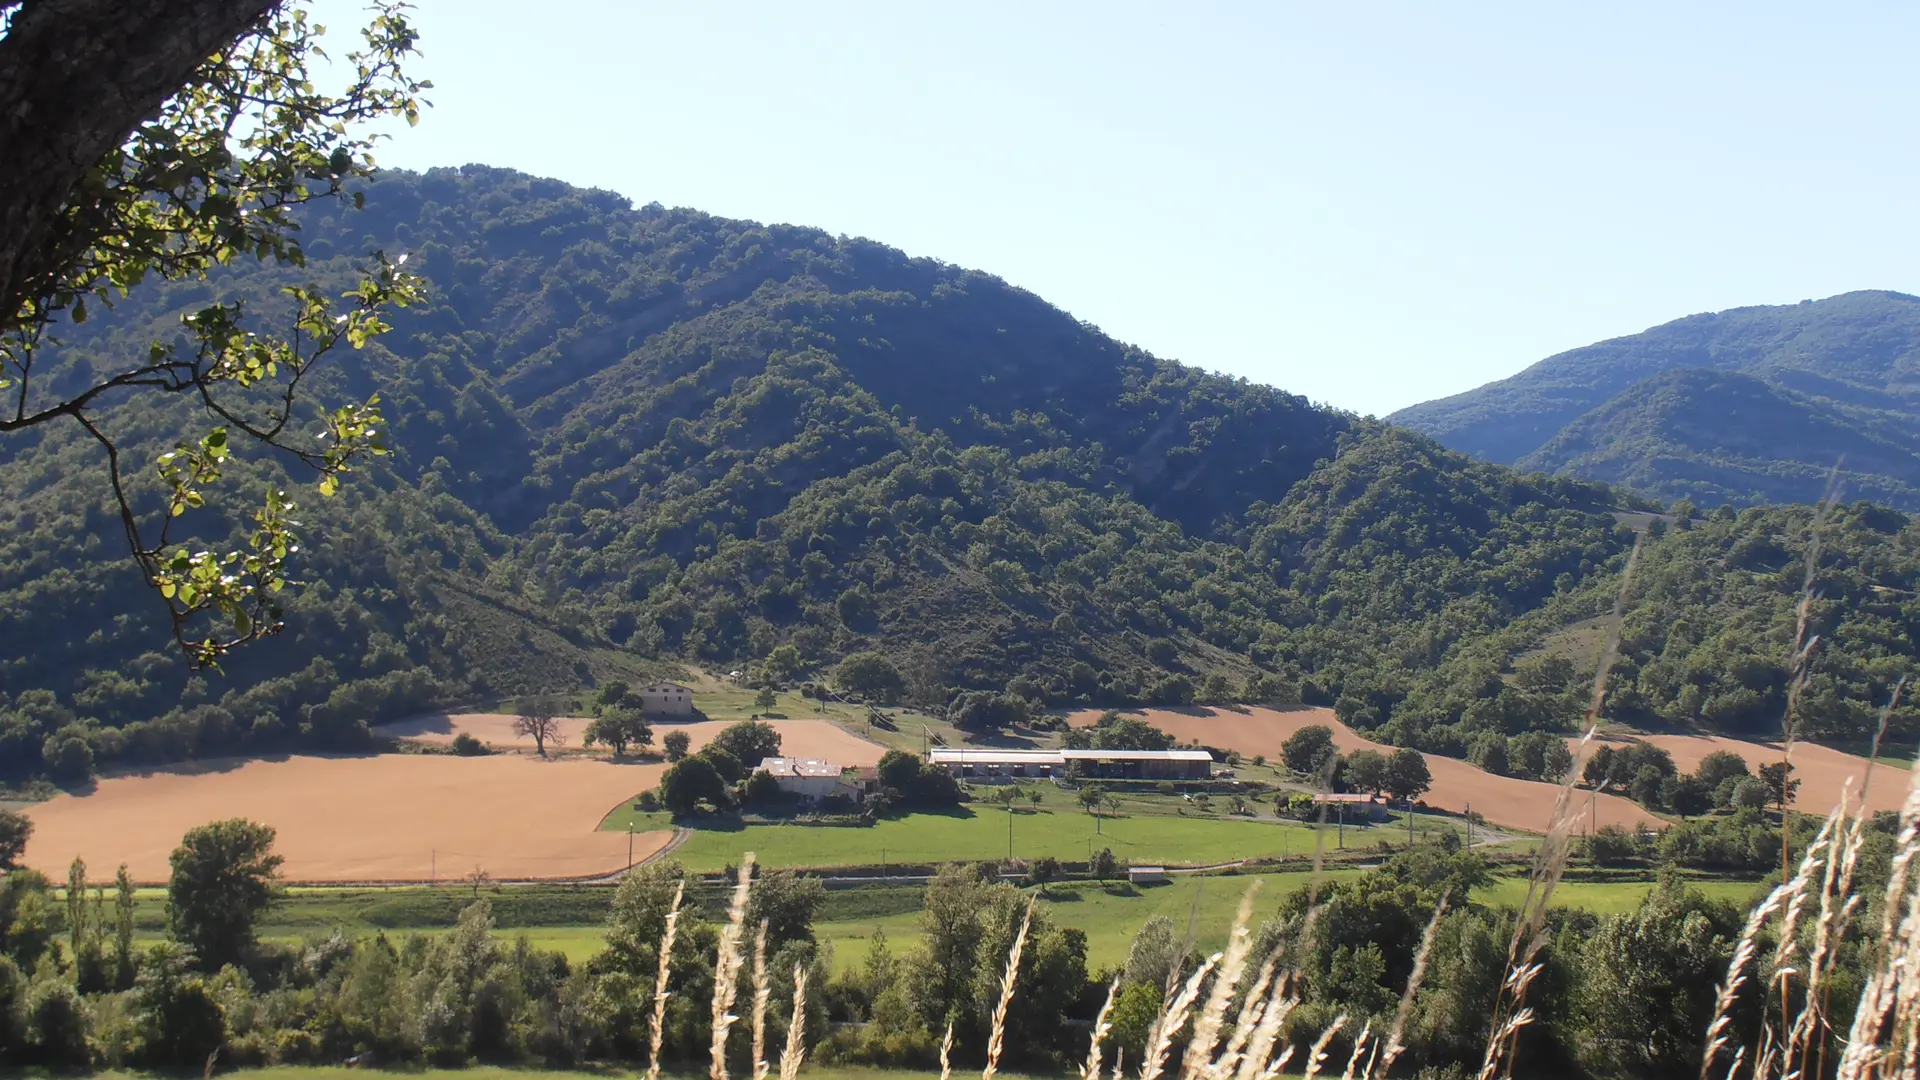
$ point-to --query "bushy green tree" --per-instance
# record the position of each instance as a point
(690, 783)
(15, 830)
(1309, 750)
(749, 740)
(224, 875)
(676, 744)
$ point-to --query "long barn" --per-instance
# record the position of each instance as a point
(968, 763)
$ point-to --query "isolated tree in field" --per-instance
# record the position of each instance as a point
(224, 875)
(1090, 797)
(618, 728)
(477, 879)
(750, 741)
(1309, 750)
(765, 699)
(1781, 787)
(1368, 771)
(1408, 777)
(164, 142)
(676, 744)
(538, 722)
(15, 830)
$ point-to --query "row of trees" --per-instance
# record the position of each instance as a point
(1310, 752)
(1630, 993)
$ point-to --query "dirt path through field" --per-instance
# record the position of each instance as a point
(1503, 800)
(395, 817)
(798, 738)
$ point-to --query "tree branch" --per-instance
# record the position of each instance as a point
(76, 78)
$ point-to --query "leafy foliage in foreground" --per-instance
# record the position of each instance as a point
(626, 438)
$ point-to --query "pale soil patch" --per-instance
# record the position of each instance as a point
(798, 738)
(1502, 800)
(394, 817)
(1823, 772)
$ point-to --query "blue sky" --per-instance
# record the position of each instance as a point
(1371, 204)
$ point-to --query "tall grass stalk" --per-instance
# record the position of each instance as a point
(1101, 1028)
(997, 1037)
(660, 991)
(1510, 1012)
(761, 989)
(796, 1051)
(726, 970)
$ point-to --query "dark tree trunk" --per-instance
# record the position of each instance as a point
(76, 77)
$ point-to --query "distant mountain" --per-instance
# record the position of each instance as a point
(1744, 406)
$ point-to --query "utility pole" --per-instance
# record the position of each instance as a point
(629, 845)
(1009, 830)
(1409, 824)
(1469, 826)
(1340, 828)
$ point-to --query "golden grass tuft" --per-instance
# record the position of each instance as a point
(660, 992)
(726, 970)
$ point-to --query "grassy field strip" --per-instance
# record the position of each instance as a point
(982, 834)
(1110, 920)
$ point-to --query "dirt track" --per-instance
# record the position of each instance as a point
(1503, 800)
(1823, 772)
(798, 738)
(388, 818)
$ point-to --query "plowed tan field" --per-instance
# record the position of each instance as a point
(1823, 772)
(1502, 800)
(389, 818)
(798, 738)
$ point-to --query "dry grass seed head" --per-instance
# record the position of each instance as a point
(660, 991)
(1317, 1056)
(996, 1038)
(726, 970)
(1101, 1026)
(796, 1050)
(1173, 1017)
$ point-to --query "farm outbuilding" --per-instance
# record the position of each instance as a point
(976, 764)
(1356, 806)
(667, 699)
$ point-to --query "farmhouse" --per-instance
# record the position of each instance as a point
(809, 778)
(670, 699)
(976, 764)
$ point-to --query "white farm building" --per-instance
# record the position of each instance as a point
(967, 763)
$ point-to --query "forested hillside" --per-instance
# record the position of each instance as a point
(1747, 406)
(627, 438)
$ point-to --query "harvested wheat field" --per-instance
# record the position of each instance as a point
(395, 817)
(1823, 772)
(798, 738)
(1503, 800)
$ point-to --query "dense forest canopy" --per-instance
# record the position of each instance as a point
(624, 438)
(1749, 406)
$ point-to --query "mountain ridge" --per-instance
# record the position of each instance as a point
(1843, 373)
